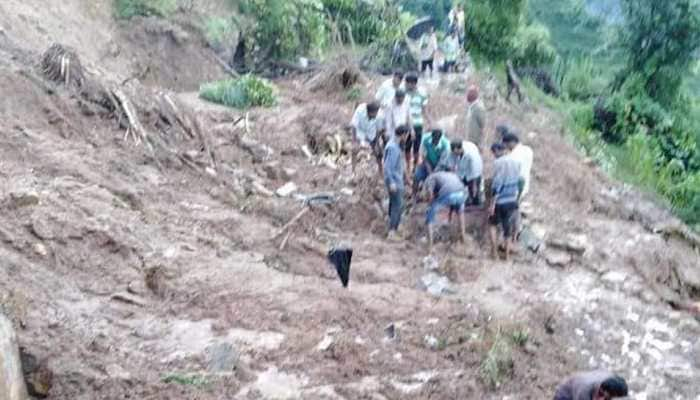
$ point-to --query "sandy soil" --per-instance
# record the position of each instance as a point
(157, 281)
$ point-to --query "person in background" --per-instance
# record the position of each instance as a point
(593, 385)
(465, 160)
(367, 129)
(428, 49)
(505, 190)
(387, 90)
(418, 101)
(476, 118)
(434, 146)
(444, 189)
(397, 114)
(450, 48)
(513, 82)
(456, 22)
(394, 179)
(522, 154)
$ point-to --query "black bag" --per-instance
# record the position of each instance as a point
(341, 258)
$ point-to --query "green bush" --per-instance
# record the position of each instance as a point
(583, 80)
(125, 9)
(491, 28)
(363, 19)
(532, 46)
(244, 92)
(219, 32)
(285, 29)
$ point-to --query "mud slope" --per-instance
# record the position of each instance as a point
(160, 274)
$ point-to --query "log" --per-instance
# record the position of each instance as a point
(291, 222)
(135, 124)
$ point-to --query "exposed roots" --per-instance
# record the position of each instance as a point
(61, 64)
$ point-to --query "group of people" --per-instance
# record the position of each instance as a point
(447, 173)
(450, 47)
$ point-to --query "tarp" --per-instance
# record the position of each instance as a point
(341, 257)
(420, 27)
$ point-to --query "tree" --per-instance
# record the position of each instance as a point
(491, 26)
(660, 39)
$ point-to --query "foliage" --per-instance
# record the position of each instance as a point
(491, 27)
(358, 22)
(498, 363)
(286, 29)
(219, 31)
(435, 9)
(520, 336)
(125, 9)
(355, 94)
(583, 80)
(532, 46)
(244, 92)
(186, 380)
(660, 39)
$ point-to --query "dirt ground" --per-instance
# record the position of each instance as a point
(142, 275)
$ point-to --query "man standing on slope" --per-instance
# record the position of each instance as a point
(522, 154)
(595, 385)
(418, 101)
(444, 189)
(434, 146)
(394, 179)
(428, 49)
(398, 114)
(367, 128)
(465, 160)
(476, 118)
(505, 189)
(387, 91)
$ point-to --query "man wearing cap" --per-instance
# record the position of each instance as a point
(476, 118)
(593, 385)
(398, 114)
(367, 128)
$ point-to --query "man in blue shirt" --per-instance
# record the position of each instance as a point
(506, 187)
(394, 178)
(444, 189)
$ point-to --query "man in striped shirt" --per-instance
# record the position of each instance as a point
(417, 103)
(506, 187)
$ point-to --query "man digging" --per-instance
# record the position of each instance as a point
(367, 129)
(442, 190)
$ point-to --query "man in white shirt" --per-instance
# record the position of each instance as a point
(398, 114)
(385, 93)
(367, 130)
(522, 154)
(428, 49)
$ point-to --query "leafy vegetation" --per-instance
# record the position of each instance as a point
(491, 28)
(125, 9)
(197, 381)
(356, 22)
(244, 92)
(219, 32)
(497, 365)
(532, 46)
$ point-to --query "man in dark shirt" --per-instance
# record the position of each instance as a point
(594, 385)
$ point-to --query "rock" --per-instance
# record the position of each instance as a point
(116, 371)
(287, 189)
(435, 284)
(288, 173)
(430, 263)
(38, 377)
(12, 386)
(325, 343)
(24, 199)
(431, 342)
(614, 277)
(558, 258)
(40, 249)
(573, 243)
(390, 331)
(222, 357)
(272, 170)
(530, 240)
(346, 192)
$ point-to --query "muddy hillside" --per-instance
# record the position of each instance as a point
(156, 246)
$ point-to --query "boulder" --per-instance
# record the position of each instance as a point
(12, 385)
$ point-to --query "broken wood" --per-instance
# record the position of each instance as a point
(291, 222)
(135, 127)
(225, 66)
(285, 240)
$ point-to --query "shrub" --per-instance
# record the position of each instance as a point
(244, 92)
(491, 27)
(583, 80)
(125, 9)
(498, 363)
(362, 17)
(219, 32)
(532, 46)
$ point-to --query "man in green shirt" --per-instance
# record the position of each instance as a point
(434, 146)
(418, 101)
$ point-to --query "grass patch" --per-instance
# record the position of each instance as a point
(520, 336)
(194, 380)
(355, 93)
(126, 9)
(244, 92)
(497, 365)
